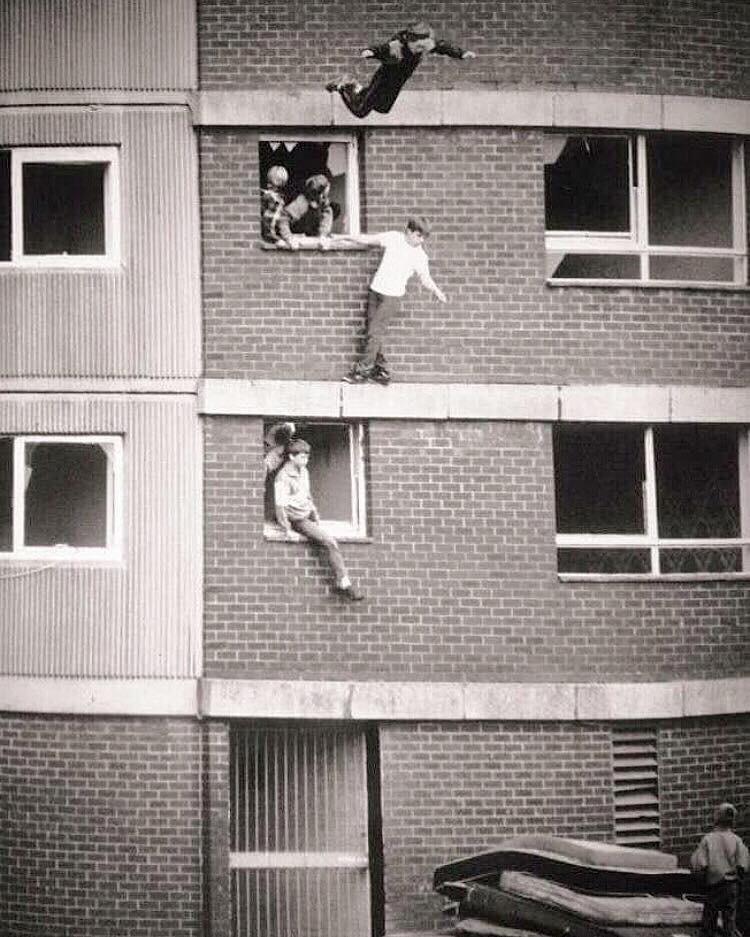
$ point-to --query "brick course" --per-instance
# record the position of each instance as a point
(102, 826)
(672, 47)
(460, 574)
(273, 314)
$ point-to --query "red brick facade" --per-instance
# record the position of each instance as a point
(101, 830)
(460, 571)
(696, 47)
(276, 315)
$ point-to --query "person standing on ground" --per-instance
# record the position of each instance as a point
(722, 860)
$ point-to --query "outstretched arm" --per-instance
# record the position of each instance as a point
(431, 285)
(455, 52)
(368, 240)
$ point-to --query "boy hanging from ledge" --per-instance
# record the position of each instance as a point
(403, 255)
(398, 59)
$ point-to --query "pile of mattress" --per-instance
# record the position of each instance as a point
(546, 885)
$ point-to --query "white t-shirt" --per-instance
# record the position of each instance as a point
(399, 261)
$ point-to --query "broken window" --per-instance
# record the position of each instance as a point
(302, 158)
(336, 470)
(654, 501)
(662, 207)
(58, 491)
(59, 206)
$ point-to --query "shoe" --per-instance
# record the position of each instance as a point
(333, 86)
(381, 375)
(349, 592)
(357, 376)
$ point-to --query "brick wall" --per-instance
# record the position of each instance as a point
(460, 574)
(672, 47)
(101, 831)
(276, 314)
(453, 790)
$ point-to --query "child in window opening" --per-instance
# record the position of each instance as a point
(299, 519)
(275, 442)
(722, 859)
(311, 211)
(398, 59)
(272, 204)
(403, 255)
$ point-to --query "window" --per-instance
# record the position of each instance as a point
(60, 495)
(337, 477)
(59, 206)
(670, 500)
(303, 830)
(306, 156)
(664, 208)
(636, 786)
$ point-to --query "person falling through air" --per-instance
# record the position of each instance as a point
(403, 255)
(298, 517)
(398, 59)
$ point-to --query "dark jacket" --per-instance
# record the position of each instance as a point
(397, 64)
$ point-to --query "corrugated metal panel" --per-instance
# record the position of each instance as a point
(142, 617)
(143, 318)
(299, 832)
(117, 44)
(636, 787)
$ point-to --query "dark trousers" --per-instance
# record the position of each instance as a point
(380, 311)
(313, 531)
(720, 899)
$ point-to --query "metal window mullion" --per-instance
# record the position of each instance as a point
(16, 206)
(744, 480)
(19, 493)
(641, 207)
(652, 521)
(739, 210)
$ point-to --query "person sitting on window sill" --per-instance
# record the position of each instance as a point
(272, 204)
(311, 213)
(297, 515)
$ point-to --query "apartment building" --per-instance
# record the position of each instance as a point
(548, 509)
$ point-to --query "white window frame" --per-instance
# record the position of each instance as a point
(82, 155)
(356, 528)
(651, 541)
(352, 179)
(114, 496)
(636, 240)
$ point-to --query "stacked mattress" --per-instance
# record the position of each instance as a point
(546, 885)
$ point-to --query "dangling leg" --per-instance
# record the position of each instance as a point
(358, 99)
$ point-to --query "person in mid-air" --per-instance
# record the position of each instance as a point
(398, 59)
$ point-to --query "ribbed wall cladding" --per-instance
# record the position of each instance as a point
(140, 618)
(141, 319)
(112, 44)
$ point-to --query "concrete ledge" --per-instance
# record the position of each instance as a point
(479, 106)
(615, 403)
(627, 403)
(98, 697)
(507, 702)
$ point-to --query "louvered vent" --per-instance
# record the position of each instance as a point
(636, 787)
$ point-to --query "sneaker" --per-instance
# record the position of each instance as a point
(357, 376)
(349, 592)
